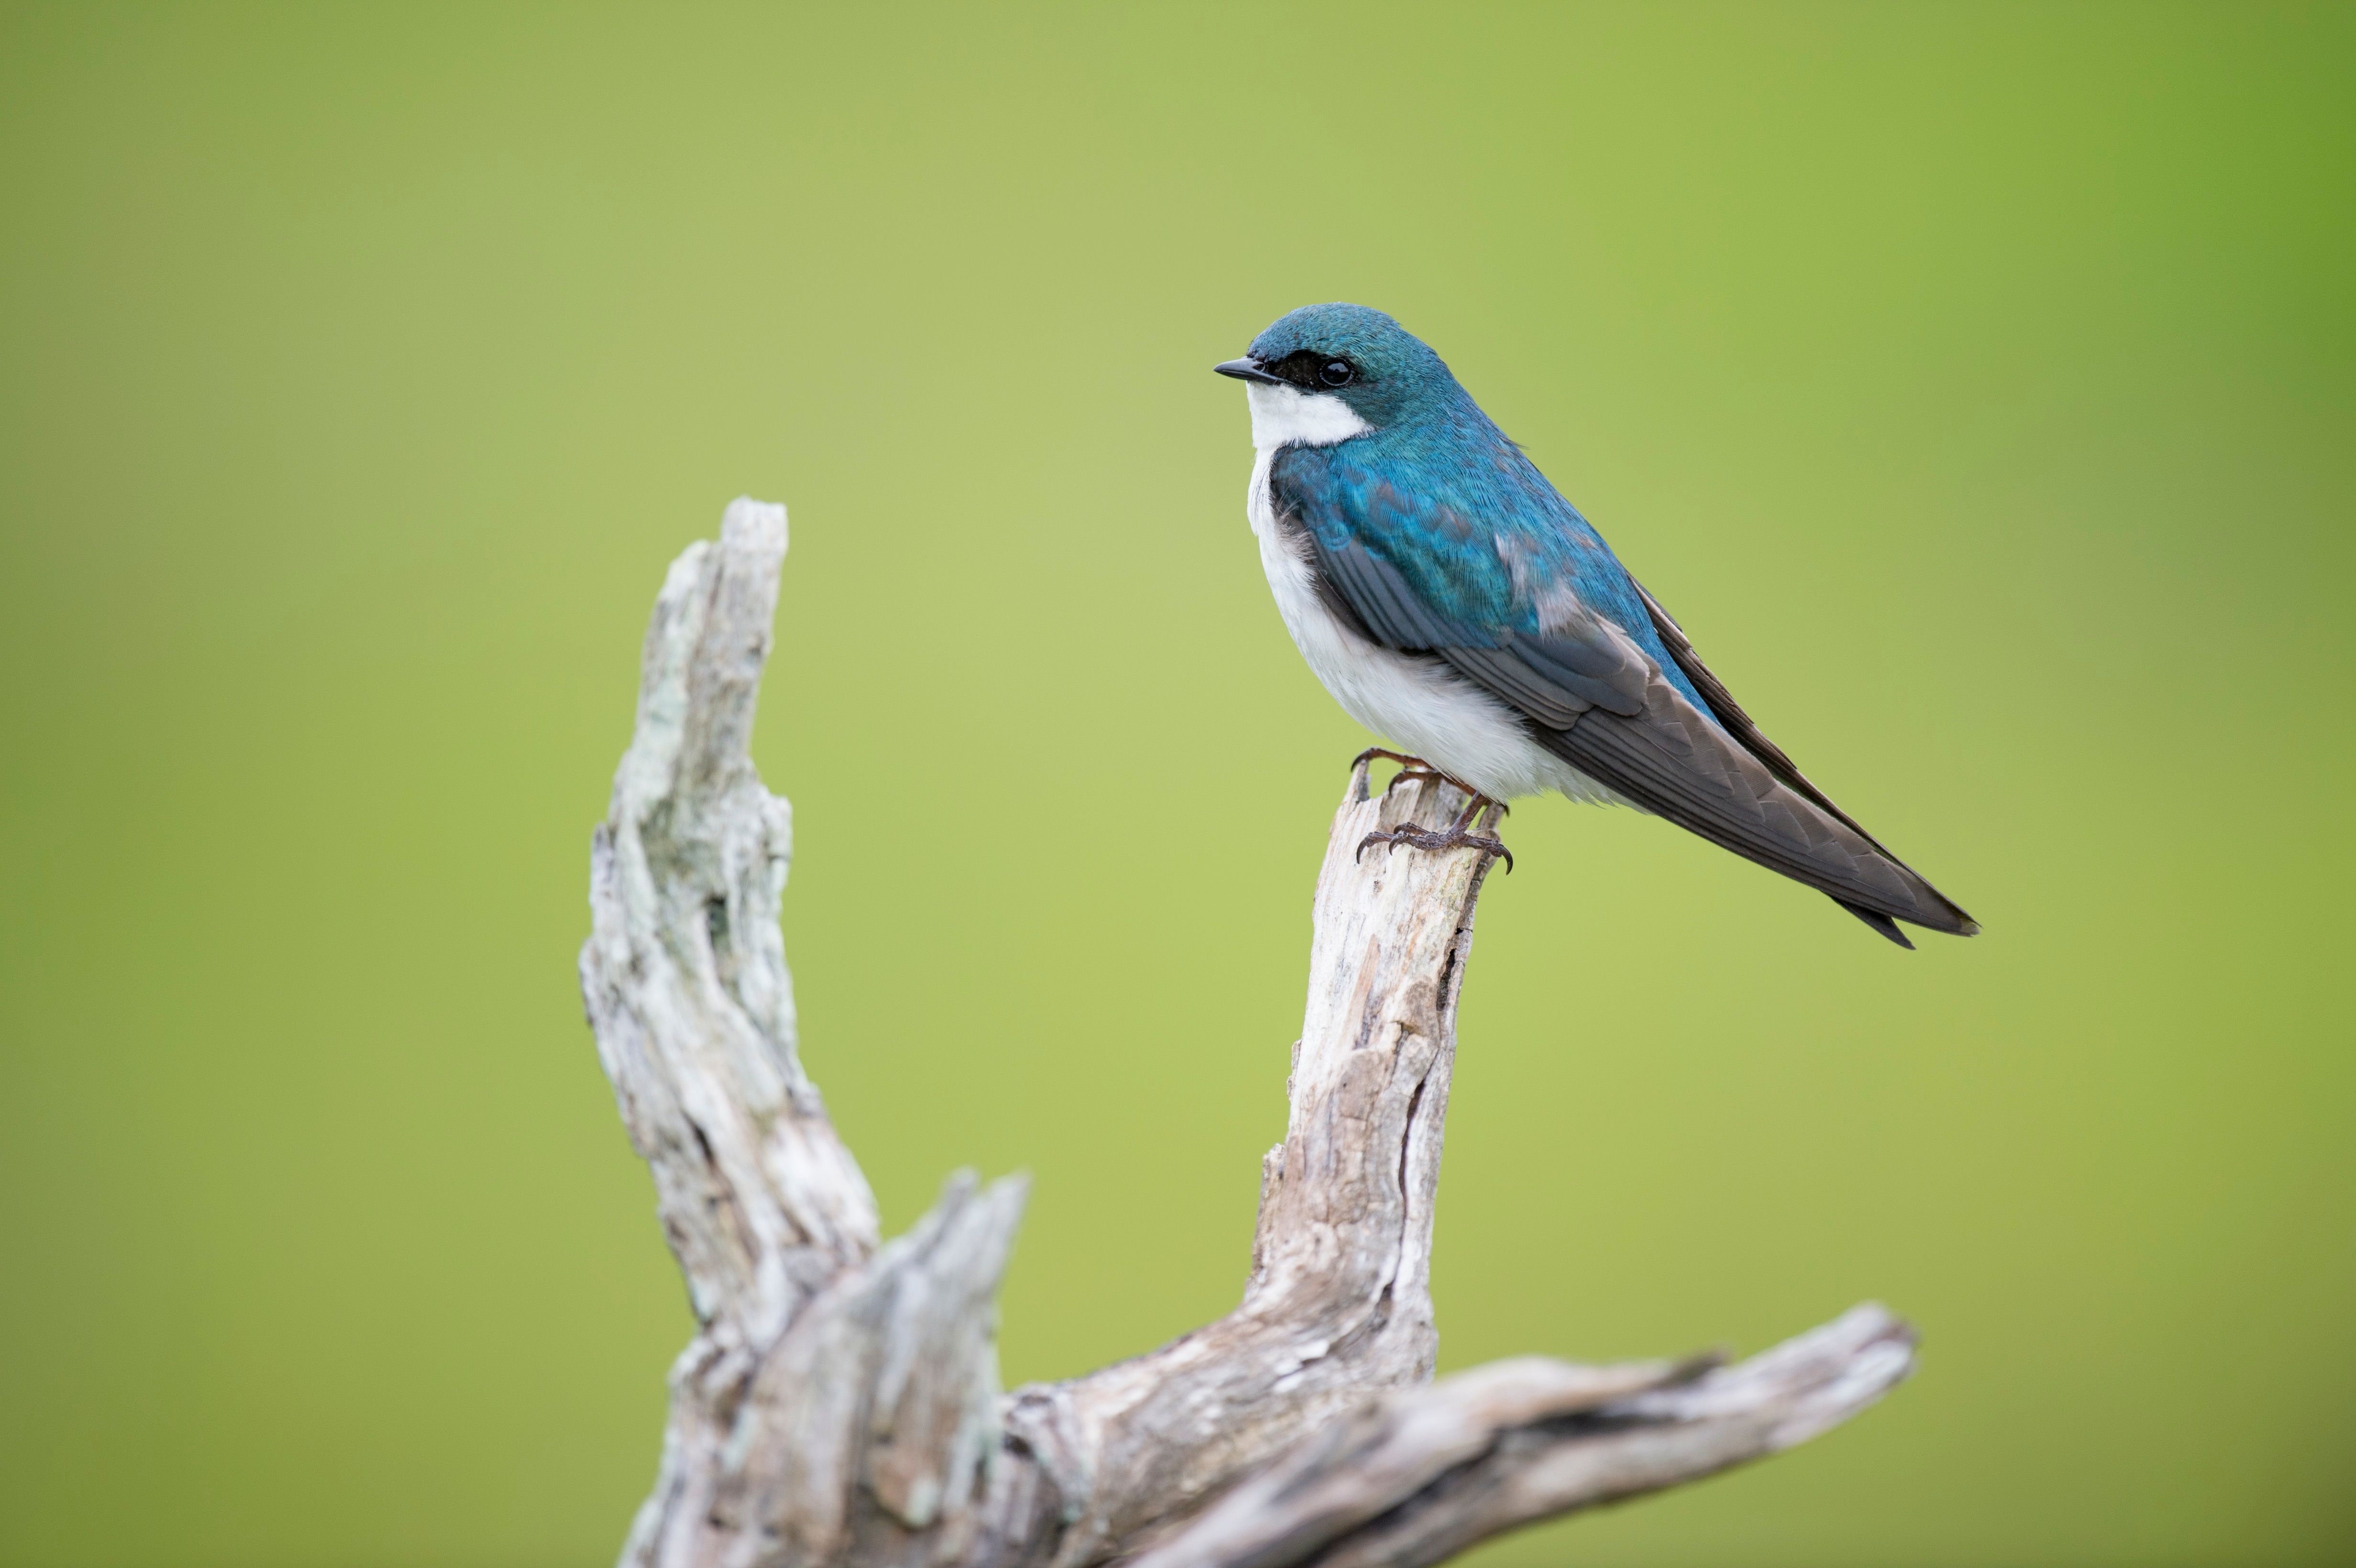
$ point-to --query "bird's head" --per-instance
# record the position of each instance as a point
(1325, 373)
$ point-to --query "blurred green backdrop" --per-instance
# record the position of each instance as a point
(1975, 383)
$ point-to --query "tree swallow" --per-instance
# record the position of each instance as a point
(1455, 604)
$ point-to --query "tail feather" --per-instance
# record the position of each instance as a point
(1879, 922)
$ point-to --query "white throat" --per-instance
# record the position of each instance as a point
(1287, 416)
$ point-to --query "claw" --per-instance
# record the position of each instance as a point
(1404, 774)
(1454, 838)
(1457, 834)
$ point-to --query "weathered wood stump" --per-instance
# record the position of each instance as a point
(840, 1403)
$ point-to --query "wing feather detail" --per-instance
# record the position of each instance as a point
(1729, 712)
(1745, 729)
(1674, 762)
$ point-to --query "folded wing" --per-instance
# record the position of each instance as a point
(1596, 699)
(1673, 761)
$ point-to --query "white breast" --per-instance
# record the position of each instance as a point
(1418, 705)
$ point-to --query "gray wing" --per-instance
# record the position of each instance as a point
(1730, 785)
(1674, 762)
(1596, 700)
(1729, 712)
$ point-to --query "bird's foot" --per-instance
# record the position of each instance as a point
(1457, 835)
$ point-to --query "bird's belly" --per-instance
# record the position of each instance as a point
(1419, 704)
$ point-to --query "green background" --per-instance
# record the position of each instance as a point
(1974, 383)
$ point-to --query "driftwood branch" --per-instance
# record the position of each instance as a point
(839, 1404)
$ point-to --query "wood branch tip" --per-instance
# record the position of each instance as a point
(1870, 1322)
(751, 524)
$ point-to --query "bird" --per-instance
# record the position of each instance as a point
(1454, 603)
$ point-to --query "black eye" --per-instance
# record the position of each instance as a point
(1337, 373)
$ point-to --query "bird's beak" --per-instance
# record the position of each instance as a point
(1247, 370)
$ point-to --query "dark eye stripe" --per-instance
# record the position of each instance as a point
(1307, 368)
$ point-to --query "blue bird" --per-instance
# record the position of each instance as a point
(1454, 603)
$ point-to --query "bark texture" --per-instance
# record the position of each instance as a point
(839, 1404)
